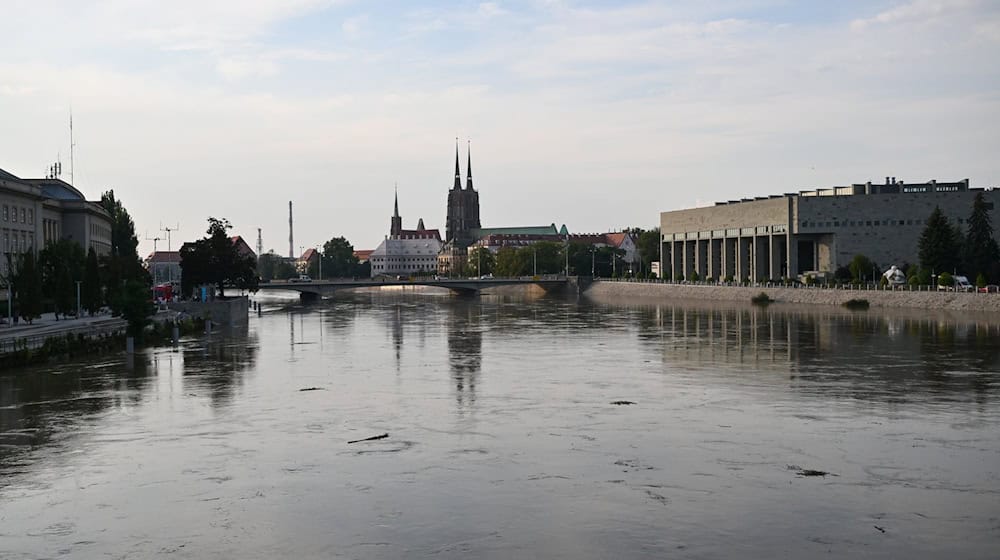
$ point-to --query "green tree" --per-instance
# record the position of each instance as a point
(648, 245)
(981, 250)
(938, 246)
(136, 306)
(511, 262)
(862, 269)
(122, 262)
(28, 286)
(547, 255)
(61, 264)
(339, 260)
(91, 296)
(215, 260)
(481, 261)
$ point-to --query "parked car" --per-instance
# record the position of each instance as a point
(302, 278)
(990, 289)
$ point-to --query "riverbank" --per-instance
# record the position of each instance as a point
(950, 301)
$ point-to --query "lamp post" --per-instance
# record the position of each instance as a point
(479, 261)
(78, 299)
(534, 261)
(593, 262)
(320, 266)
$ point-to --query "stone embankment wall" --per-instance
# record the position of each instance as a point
(230, 311)
(956, 301)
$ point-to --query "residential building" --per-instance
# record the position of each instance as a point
(164, 267)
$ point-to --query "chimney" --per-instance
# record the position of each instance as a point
(887, 180)
(291, 245)
(893, 180)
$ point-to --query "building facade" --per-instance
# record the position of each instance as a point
(35, 212)
(164, 267)
(810, 231)
(405, 252)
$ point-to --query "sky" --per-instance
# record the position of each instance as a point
(594, 114)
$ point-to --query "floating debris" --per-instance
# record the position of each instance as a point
(620, 403)
(881, 529)
(809, 472)
(373, 438)
(313, 389)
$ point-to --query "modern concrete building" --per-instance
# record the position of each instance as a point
(820, 230)
(34, 212)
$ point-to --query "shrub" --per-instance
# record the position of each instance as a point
(761, 299)
(945, 279)
(857, 304)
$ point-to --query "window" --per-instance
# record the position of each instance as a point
(868, 223)
(6, 216)
(31, 216)
(24, 214)
(13, 214)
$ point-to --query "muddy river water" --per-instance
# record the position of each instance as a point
(738, 432)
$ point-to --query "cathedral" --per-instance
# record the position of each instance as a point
(462, 224)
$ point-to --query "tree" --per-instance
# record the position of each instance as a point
(862, 268)
(28, 286)
(339, 260)
(91, 296)
(981, 250)
(510, 262)
(122, 262)
(481, 261)
(61, 264)
(546, 256)
(215, 260)
(648, 245)
(938, 245)
(136, 307)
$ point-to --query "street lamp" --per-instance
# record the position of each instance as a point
(534, 261)
(78, 299)
(593, 262)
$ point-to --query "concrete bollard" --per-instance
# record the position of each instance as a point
(176, 334)
(130, 345)
(208, 326)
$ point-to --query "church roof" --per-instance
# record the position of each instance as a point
(519, 230)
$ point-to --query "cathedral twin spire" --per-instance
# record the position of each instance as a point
(458, 171)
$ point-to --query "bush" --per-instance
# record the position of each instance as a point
(857, 304)
(945, 279)
(761, 299)
(695, 276)
(981, 280)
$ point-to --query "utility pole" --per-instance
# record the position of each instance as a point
(169, 229)
(78, 299)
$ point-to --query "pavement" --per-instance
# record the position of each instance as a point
(47, 325)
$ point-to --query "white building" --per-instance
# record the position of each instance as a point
(406, 252)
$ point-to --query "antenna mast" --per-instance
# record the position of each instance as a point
(154, 240)
(169, 229)
(260, 244)
(71, 144)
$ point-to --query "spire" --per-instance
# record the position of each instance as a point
(395, 205)
(468, 166)
(458, 172)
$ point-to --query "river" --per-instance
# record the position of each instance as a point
(785, 432)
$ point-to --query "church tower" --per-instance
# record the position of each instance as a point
(463, 206)
(396, 224)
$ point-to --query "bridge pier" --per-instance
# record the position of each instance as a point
(308, 297)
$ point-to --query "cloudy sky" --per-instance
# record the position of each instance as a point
(597, 114)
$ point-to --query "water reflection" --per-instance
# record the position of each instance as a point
(858, 355)
(465, 350)
(215, 366)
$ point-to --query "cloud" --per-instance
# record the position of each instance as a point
(353, 26)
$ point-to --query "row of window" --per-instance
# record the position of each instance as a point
(10, 213)
(14, 243)
(867, 223)
(404, 259)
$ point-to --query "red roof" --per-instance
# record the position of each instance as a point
(309, 255)
(164, 257)
(363, 254)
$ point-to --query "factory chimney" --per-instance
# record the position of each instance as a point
(291, 245)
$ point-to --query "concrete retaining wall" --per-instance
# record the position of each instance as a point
(956, 301)
(230, 311)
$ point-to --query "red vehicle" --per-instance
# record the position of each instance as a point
(163, 292)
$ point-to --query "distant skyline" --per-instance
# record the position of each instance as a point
(597, 114)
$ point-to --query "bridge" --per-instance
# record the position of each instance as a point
(464, 286)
